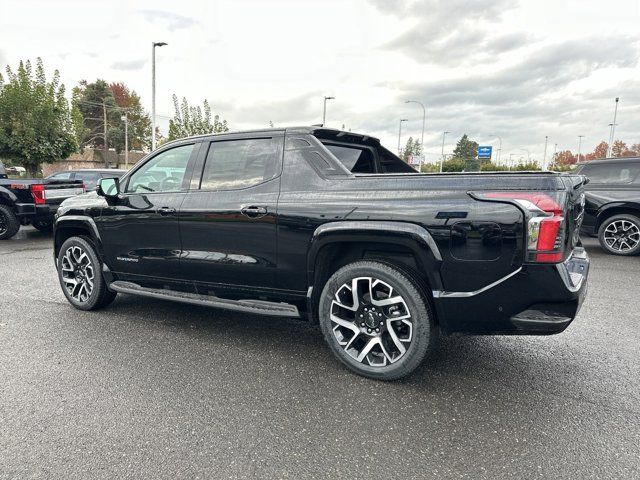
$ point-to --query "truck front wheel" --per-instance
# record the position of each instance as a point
(80, 275)
(375, 320)
(9, 223)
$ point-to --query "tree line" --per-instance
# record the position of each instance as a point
(465, 157)
(38, 124)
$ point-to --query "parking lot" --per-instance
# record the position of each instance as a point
(154, 389)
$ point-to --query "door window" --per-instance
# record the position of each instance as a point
(612, 173)
(235, 164)
(163, 173)
(61, 176)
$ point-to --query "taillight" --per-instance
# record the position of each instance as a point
(38, 194)
(545, 223)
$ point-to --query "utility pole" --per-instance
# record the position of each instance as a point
(324, 109)
(544, 158)
(104, 134)
(400, 134)
(613, 129)
(126, 140)
(153, 92)
(580, 137)
(444, 134)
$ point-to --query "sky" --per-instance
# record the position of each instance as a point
(497, 70)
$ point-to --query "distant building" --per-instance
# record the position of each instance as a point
(92, 158)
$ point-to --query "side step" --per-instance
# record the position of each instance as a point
(260, 307)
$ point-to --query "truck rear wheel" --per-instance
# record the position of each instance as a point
(80, 275)
(43, 225)
(9, 223)
(375, 320)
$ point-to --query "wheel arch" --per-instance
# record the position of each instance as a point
(7, 197)
(407, 246)
(617, 208)
(72, 226)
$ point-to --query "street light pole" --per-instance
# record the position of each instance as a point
(324, 110)
(580, 137)
(499, 148)
(400, 133)
(613, 128)
(126, 140)
(544, 158)
(444, 134)
(153, 92)
(424, 118)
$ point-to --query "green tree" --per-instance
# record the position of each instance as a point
(100, 115)
(35, 120)
(189, 120)
(413, 147)
(467, 150)
(454, 164)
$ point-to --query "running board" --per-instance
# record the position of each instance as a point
(260, 307)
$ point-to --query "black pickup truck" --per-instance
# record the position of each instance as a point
(331, 226)
(32, 201)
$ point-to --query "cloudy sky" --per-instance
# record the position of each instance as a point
(519, 70)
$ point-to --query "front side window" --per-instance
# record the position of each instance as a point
(163, 173)
(612, 173)
(235, 164)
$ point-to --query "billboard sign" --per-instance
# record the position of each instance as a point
(484, 151)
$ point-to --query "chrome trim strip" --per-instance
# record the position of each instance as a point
(444, 294)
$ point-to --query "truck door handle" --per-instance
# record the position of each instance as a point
(166, 211)
(254, 211)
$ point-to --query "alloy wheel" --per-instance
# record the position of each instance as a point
(77, 273)
(622, 235)
(371, 322)
(4, 224)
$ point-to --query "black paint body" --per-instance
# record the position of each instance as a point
(604, 200)
(430, 224)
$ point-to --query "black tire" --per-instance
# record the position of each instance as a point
(45, 226)
(620, 235)
(99, 295)
(380, 276)
(9, 223)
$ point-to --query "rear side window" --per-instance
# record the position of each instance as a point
(613, 173)
(356, 160)
(61, 176)
(235, 164)
(88, 176)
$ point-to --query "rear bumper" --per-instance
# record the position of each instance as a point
(537, 300)
(31, 210)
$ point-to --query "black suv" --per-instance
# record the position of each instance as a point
(612, 208)
(331, 226)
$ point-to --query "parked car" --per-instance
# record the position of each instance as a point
(331, 226)
(32, 201)
(612, 203)
(90, 177)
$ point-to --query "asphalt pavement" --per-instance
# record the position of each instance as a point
(153, 389)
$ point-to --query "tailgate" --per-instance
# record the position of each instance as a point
(55, 191)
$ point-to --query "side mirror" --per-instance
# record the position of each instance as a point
(109, 188)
